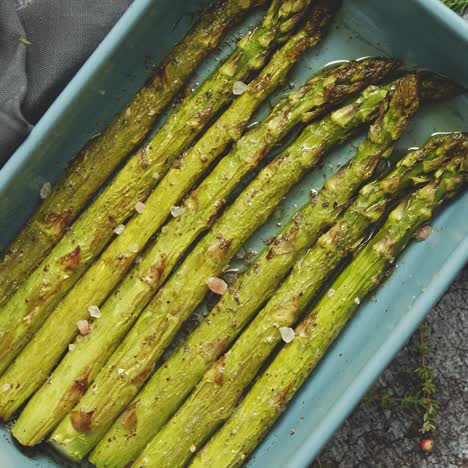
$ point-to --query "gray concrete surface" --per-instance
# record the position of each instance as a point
(390, 437)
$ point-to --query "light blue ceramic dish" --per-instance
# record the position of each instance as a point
(421, 32)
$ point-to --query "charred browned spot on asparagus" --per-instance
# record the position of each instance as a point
(155, 272)
(72, 260)
(81, 420)
(130, 417)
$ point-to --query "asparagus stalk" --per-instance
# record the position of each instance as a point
(184, 291)
(100, 156)
(125, 304)
(171, 383)
(58, 272)
(220, 389)
(27, 372)
(271, 393)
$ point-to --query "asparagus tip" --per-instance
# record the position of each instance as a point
(435, 87)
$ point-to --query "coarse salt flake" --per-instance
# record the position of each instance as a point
(193, 448)
(217, 285)
(71, 347)
(45, 190)
(94, 311)
(119, 229)
(239, 88)
(287, 334)
(177, 211)
(83, 326)
(6, 387)
(423, 232)
(156, 175)
(357, 300)
(121, 371)
(331, 293)
(140, 207)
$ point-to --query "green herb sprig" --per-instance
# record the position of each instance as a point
(422, 399)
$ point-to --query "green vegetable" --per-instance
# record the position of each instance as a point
(185, 289)
(101, 156)
(27, 372)
(271, 393)
(220, 389)
(54, 400)
(69, 259)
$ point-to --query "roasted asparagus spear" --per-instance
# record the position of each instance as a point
(41, 354)
(100, 157)
(27, 309)
(276, 387)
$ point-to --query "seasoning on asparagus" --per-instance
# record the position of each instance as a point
(272, 392)
(171, 384)
(100, 157)
(221, 387)
(28, 371)
(58, 272)
(174, 303)
(124, 306)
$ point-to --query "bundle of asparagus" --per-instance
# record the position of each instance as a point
(173, 381)
(198, 389)
(136, 356)
(208, 259)
(283, 377)
(31, 304)
(400, 107)
(100, 157)
(27, 372)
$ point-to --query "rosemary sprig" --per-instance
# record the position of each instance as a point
(423, 399)
(425, 396)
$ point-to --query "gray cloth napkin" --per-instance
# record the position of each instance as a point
(43, 43)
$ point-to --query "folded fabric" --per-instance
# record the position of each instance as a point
(42, 45)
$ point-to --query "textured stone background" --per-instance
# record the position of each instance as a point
(377, 437)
